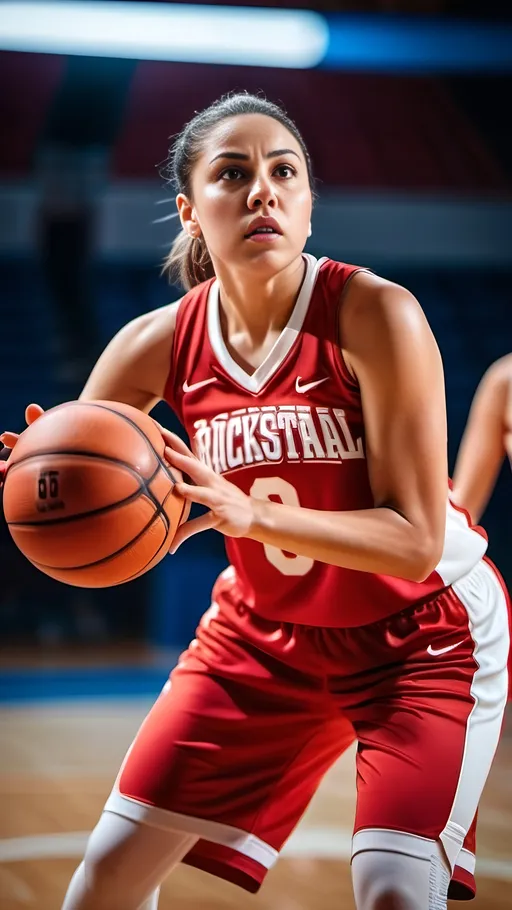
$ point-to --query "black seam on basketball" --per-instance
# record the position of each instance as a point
(136, 427)
(141, 571)
(137, 574)
(105, 559)
(79, 453)
(143, 490)
(159, 513)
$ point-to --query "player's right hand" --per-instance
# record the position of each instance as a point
(9, 440)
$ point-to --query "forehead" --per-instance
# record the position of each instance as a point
(250, 133)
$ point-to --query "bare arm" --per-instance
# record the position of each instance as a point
(393, 354)
(482, 448)
(134, 366)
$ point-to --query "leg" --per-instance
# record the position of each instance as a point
(124, 864)
(234, 748)
(427, 737)
(386, 880)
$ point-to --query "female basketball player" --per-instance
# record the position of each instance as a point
(357, 603)
(487, 439)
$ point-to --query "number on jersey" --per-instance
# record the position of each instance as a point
(286, 563)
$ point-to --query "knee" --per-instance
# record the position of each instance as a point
(389, 895)
(384, 880)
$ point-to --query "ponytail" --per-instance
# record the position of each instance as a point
(188, 262)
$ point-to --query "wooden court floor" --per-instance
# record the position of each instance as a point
(57, 763)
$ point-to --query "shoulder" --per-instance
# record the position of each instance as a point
(495, 387)
(379, 316)
(142, 350)
(150, 332)
(372, 301)
(499, 374)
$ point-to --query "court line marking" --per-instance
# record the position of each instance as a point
(311, 843)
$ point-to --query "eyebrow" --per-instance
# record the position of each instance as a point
(239, 156)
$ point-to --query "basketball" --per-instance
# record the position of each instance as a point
(88, 497)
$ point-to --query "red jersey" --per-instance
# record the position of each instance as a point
(293, 432)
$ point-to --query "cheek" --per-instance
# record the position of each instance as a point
(216, 209)
(302, 210)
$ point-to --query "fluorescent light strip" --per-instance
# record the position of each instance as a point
(157, 31)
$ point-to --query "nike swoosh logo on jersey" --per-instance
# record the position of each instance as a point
(197, 385)
(435, 651)
(308, 385)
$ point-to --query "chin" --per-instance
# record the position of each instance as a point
(270, 260)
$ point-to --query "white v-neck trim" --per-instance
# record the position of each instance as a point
(256, 381)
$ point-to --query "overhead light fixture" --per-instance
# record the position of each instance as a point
(251, 36)
(161, 31)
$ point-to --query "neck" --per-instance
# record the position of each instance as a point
(255, 306)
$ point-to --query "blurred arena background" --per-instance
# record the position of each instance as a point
(406, 112)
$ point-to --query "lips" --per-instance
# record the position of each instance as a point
(262, 226)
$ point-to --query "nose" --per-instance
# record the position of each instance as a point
(261, 193)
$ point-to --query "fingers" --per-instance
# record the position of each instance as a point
(195, 526)
(9, 439)
(178, 444)
(189, 464)
(33, 412)
(174, 441)
(204, 496)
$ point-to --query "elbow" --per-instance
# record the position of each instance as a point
(424, 558)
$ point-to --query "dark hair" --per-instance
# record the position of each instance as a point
(188, 262)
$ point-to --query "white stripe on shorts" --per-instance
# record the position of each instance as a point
(216, 832)
(482, 595)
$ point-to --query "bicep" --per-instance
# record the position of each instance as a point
(482, 447)
(398, 366)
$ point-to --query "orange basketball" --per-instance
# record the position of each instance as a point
(88, 497)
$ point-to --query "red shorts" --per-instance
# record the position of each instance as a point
(256, 712)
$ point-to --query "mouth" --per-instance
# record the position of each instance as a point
(263, 229)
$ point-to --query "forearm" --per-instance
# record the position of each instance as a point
(378, 540)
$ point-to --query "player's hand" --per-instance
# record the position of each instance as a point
(230, 510)
(4, 453)
(32, 413)
(9, 440)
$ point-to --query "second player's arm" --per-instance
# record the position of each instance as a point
(483, 444)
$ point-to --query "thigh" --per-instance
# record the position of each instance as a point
(428, 735)
(234, 748)
(124, 864)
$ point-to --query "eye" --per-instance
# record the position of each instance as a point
(231, 173)
(285, 171)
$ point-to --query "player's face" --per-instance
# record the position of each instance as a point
(251, 195)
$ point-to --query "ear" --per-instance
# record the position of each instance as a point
(310, 230)
(188, 216)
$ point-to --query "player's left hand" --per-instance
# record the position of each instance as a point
(230, 510)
